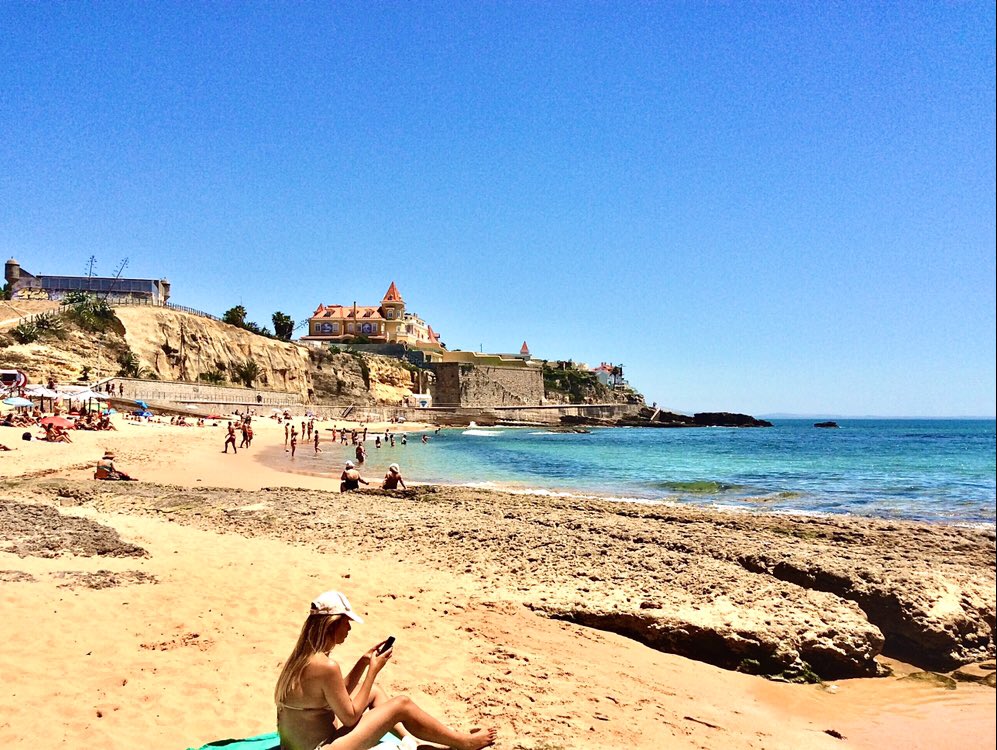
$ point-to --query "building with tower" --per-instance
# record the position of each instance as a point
(387, 323)
(24, 285)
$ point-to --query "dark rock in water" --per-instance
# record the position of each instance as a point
(826, 425)
(728, 419)
(658, 418)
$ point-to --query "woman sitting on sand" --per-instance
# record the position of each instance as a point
(319, 707)
(106, 470)
(393, 478)
(351, 479)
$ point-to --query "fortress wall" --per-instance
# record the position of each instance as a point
(459, 384)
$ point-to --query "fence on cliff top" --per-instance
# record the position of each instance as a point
(122, 302)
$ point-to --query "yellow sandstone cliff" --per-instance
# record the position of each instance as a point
(171, 345)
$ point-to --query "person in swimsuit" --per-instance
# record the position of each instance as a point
(393, 478)
(106, 470)
(351, 479)
(320, 707)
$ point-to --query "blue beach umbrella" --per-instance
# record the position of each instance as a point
(17, 401)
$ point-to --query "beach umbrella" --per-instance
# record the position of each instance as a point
(18, 401)
(89, 394)
(58, 422)
(43, 392)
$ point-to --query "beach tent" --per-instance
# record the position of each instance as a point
(18, 401)
(142, 413)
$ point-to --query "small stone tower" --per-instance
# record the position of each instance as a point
(12, 271)
(393, 309)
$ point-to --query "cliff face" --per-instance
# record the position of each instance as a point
(174, 345)
(171, 345)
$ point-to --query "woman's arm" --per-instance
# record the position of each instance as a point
(348, 709)
(353, 678)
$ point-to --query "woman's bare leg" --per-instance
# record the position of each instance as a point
(378, 698)
(401, 709)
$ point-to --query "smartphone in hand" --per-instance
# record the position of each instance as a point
(386, 645)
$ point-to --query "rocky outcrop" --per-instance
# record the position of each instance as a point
(802, 597)
(658, 418)
(727, 419)
(717, 612)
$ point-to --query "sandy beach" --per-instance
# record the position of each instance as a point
(156, 614)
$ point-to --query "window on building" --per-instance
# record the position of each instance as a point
(349, 328)
(390, 314)
(335, 327)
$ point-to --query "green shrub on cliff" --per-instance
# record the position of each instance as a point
(578, 385)
(25, 332)
(89, 312)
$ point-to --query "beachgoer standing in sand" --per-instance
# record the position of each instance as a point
(230, 438)
(294, 441)
(287, 434)
(317, 449)
(317, 705)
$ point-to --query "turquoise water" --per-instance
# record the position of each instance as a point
(936, 470)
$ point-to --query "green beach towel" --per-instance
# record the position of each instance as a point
(272, 742)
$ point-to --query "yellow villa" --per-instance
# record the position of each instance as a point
(388, 323)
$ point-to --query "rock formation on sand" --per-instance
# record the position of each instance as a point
(802, 597)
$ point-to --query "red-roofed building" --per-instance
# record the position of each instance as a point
(609, 374)
(388, 323)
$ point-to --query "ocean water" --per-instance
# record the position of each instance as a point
(934, 470)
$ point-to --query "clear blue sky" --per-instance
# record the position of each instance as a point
(754, 207)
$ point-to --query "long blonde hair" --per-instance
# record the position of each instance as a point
(317, 636)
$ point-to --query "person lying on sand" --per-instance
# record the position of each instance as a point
(319, 707)
(106, 470)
